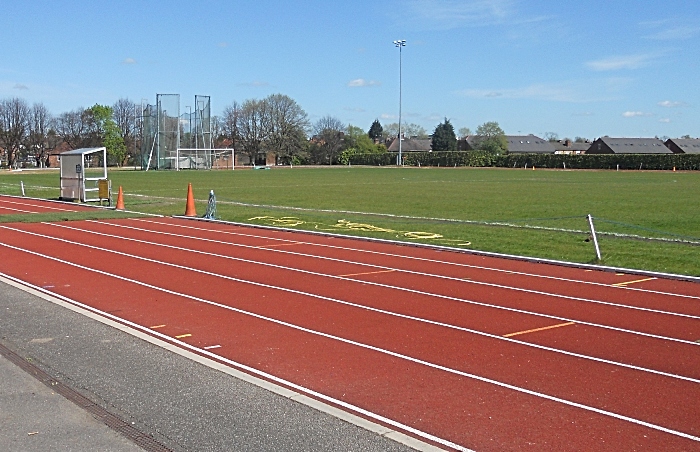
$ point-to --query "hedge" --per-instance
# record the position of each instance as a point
(581, 161)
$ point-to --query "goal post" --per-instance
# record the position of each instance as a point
(206, 159)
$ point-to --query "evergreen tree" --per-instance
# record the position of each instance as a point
(444, 138)
(375, 131)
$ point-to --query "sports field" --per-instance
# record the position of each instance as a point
(532, 213)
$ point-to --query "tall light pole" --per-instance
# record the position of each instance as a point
(400, 43)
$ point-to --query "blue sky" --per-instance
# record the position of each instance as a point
(586, 68)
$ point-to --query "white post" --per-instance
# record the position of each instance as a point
(595, 238)
(21, 184)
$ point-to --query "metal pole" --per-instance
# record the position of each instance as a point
(595, 238)
(400, 43)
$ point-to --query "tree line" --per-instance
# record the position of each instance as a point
(275, 124)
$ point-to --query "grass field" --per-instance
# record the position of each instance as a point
(534, 213)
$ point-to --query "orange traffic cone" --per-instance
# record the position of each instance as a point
(120, 199)
(190, 210)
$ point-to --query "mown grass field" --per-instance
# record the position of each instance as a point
(534, 213)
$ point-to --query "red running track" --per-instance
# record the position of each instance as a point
(467, 351)
(10, 205)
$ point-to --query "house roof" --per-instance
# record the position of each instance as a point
(567, 145)
(411, 145)
(632, 146)
(528, 144)
(687, 145)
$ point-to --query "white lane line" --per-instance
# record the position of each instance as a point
(41, 206)
(389, 269)
(375, 349)
(269, 382)
(17, 210)
(210, 347)
(434, 261)
(386, 312)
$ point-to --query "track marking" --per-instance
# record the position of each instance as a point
(210, 347)
(359, 250)
(157, 326)
(405, 316)
(26, 204)
(17, 210)
(183, 335)
(539, 329)
(371, 283)
(621, 284)
(293, 253)
(367, 273)
(251, 375)
(279, 244)
(364, 346)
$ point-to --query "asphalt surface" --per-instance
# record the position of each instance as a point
(180, 403)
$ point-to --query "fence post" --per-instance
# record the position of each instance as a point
(595, 238)
(21, 184)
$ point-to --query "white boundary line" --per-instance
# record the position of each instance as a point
(372, 348)
(382, 267)
(214, 361)
(284, 289)
(34, 205)
(417, 245)
(396, 314)
(461, 250)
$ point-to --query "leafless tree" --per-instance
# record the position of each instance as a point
(328, 139)
(251, 132)
(125, 117)
(76, 128)
(229, 123)
(42, 138)
(286, 123)
(14, 127)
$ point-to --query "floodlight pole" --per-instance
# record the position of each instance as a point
(400, 43)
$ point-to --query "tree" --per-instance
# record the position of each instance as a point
(580, 140)
(124, 116)
(408, 130)
(14, 127)
(286, 123)
(74, 128)
(42, 138)
(375, 131)
(328, 140)
(249, 127)
(464, 132)
(105, 131)
(551, 136)
(444, 138)
(491, 138)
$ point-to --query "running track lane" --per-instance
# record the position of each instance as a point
(364, 380)
(13, 206)
(643, 351)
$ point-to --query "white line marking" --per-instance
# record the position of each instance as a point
(391, 313)
(17, 210)
(210, 347)
(435, 261)
(381, 267)
(373, 348)
(215, 362)
(27, 204)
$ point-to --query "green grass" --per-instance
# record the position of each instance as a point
(650, 204)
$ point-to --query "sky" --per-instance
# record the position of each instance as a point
(578, 69)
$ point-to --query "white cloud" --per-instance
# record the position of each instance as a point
(635, 114)
(388, 116)
(671, 104)
(681, 32)
(361, 83)
(129, 61)
(20, 86)
(622, 62)
(567, 91)
(665, 120)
